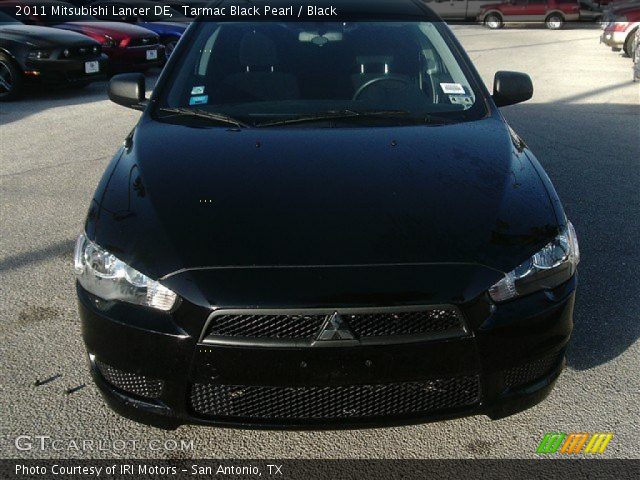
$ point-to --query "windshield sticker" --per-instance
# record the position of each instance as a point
(199, 90)
(461, 100)
(199, 100)
(454, 88)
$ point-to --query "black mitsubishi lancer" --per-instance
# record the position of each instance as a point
(324, 223)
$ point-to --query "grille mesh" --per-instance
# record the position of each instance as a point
(362, 325)
(143, 42)
(267, 326)
(529, 372)
(84, 51)
(333, 402)
(130, 382)
(403, 323)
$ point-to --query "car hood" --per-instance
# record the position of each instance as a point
(115, 30)
(214, 199)
(45, 36)
(165, 28)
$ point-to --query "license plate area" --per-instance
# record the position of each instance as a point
(91, 67)
(235, 365)
(152, 54)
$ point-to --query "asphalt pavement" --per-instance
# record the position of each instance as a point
(583, 124)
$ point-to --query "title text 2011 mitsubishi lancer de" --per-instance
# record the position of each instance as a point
(324, 224)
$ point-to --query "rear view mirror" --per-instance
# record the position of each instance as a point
(128, 90)
(510, 88)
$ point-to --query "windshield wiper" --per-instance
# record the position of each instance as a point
(196, 112)
(337, 115)
(347, 114)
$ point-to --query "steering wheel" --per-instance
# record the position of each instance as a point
(378, 80)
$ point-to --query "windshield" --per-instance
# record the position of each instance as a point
(303, 73)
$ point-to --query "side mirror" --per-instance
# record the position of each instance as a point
(128, 90)
(510, 88)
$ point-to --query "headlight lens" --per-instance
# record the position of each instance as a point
(550, 267)
(102, 274)
(109, 42)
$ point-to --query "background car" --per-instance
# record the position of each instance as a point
(554, 13)
(129, 47)
(609, 11)
(168, 29)
(618, 34)
(30, 54)
(590, 11)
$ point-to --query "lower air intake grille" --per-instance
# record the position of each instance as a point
(336, 402)
(134, 383)
(530, 372)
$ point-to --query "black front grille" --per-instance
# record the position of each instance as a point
(143, 42)
(363, 324)
(403, 323)
(530, 372)
(267, 326)
(134, 383)
(333, 402)
(85, 51)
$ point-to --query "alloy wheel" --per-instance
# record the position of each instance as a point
(554, 23)
(493, 21)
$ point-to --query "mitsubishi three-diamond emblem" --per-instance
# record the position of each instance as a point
(335, 328)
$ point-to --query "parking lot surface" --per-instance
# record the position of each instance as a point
(583, 124)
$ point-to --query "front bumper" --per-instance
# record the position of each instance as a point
(64, 71)
(613, 39)
(157, 369)
(123, 59)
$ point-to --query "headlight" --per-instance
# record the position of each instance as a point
(109, 42)
(550, 267)
(102, 274)
(39, 54)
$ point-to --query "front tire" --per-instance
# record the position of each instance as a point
(11, 79)
(628, 44)
(555, 21)
(493, 21)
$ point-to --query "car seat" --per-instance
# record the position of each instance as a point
(260, 80)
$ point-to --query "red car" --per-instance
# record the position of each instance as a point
(129, 47)
(554, 13)
(618, 34)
